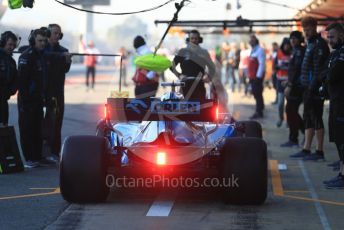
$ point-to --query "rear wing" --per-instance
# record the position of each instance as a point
(131, 109)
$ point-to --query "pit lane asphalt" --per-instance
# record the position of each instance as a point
(31, 200)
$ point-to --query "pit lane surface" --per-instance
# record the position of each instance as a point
(296, 199)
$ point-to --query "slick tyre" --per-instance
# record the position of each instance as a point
(83, 169)
(249, 129)
(244, 165)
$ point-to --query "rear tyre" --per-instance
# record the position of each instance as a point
(251, 129)
(244, 164)
(83, 169)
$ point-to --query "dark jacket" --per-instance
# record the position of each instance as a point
(193, 60)
(32, 78)
(58, 67)
(335, 77)
(334, 83)
(294, 68)
(314, 63)
(8, 76)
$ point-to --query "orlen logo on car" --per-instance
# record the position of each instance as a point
(170, 107)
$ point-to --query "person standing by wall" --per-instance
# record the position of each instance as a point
(335, 87)
(8, 73)
(231, 66)
(243, 65)
(60, 62)
(294, 90)
(256, 72)
(225, 62)
(236, 65)
(32, 78)
(90, 62)
(281, 66)
(313, 64)
(273, 75)
(217, 90)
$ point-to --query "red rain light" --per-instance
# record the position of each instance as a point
(161, 158)
(217, 113)
(106, 113)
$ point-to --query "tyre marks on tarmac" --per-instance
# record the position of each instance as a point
(71, 218)
(187, 209)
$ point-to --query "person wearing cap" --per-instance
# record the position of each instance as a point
(294, 90)
(146, 82)
(313, 64)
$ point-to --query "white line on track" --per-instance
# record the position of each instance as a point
(163, 205)
(314, 195)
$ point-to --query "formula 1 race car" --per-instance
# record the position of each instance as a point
(169, 136)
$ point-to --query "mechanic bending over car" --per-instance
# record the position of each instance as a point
(334, 83)
(193, 61)
(32, 68)
(60, 62)
(8, 73)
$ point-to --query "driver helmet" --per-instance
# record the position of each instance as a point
(172, 96)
